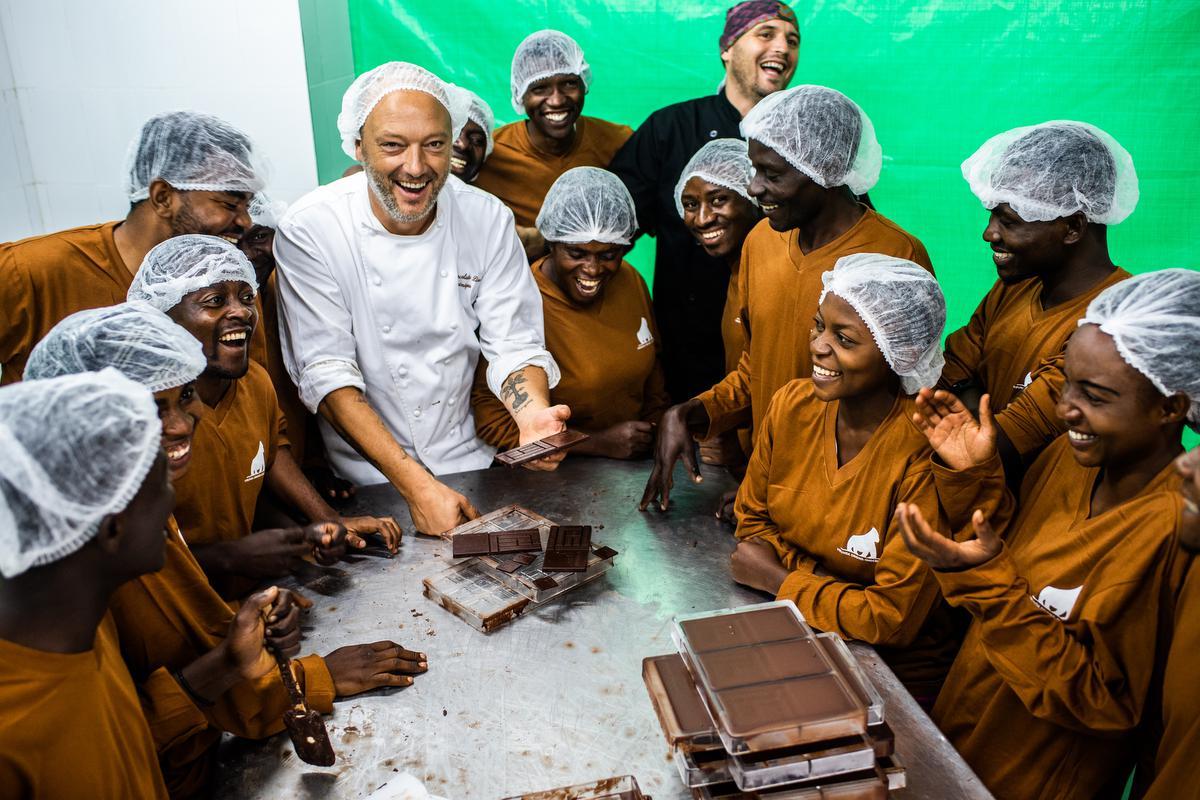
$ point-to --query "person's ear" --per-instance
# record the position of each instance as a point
(1076, 227)
(1175, 408)
(110, 536)
(163, 198)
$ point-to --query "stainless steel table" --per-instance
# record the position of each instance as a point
(556, 696)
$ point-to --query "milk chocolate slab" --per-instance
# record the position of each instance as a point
(541, 448)
(753, 626)
(790, 713)
(774, 661)
(568, 548)
(848, 667)
(684, 720)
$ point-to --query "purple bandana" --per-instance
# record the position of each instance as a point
(745, 16)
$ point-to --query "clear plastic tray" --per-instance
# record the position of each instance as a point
(470, 592)
(526, 579)
(782, 767)
(839, 652)
(884, 776)
(765, 678)
(702, 768)
(624, 787)
(683, 717)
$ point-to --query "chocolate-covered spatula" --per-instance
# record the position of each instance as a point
(304, 726)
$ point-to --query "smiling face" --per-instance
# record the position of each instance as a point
(718, 217)
(763, 59)
(1023, 249)
(224, 214)
(405, 151)
(846, 361)
(554, 104)
(178, 409)
(583, 271)
(787, 196)
(1114, 414)
(256, 245)
(470, 149)
(222, 317)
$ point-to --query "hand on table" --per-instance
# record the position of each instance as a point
(362, 667)
(625, 440)
(328, 540)
(939, 550)
(535, 425)
(387, 528)
(956, 436)
(675, 442)
(725, 507)
(270, 553)
(755, 564)
(436, 508)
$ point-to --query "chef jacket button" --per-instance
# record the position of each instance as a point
(443, 273)
(402, 371)
(377, 280)
(451, 401)
(386, 329)
(453, 326)
(417, 412)
(712, 134)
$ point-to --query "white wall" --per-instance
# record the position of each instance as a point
(78, 77)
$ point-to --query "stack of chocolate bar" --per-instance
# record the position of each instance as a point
(623, 787)
(757, 705)
(514, 558)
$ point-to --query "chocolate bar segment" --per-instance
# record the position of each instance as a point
(541, 448)
(546, 583)
(568, 548)
(470, 544)
(487, 543)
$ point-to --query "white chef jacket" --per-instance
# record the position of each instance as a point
(404, 318)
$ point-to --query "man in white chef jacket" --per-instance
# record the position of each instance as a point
(391, 283)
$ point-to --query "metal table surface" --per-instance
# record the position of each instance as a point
(556, 696)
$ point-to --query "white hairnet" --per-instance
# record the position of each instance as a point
(1154, 319)
(183, 264)
(820, 132)
(73, 450)
(265, 211)
(394, 76)
(192, 152)
(542, 55)
(721, 162)
(588, 204)
(903, 307)
(479, 112)
(1054, 170)
(140, 342)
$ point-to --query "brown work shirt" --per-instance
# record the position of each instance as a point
(779, 286)
(520, 174)
(233, 447)
(72, 725)
(1058, 665)
(1012, 348)
(165, 621)
(832, 526)
(608, 354)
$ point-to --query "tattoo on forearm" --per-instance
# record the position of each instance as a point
(511, 392)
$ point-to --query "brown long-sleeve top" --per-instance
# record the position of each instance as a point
(814, 513)
(167, 619)
(1013, 348)
(1065, 640)
(1178, 760)
(520, 174)
(779, 288)
(72, 725)
(608, 354)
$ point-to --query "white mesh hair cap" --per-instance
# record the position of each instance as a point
(1154, 320)
(183, 264)
(394, 76)
(192, 152)
(588, 204)
(542, 55)
(139, 341)
(1053, 170)
(903, 307)
(265, 211)
(721, 162)
(820, 132)
(481, 114)
(73, 450)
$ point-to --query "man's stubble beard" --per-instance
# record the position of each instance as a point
(381, 187)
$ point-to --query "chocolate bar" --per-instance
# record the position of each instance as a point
(605, 552)
(624, 787)
(305, 727)
(545, 583)
(715, 632)
(681, 713)
(840, 656)
(541, 448)
(508, 567)
(524, 559)
(487, 543)
(568, 548)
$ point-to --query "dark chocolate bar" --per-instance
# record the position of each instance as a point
(603, 552)
(470, 544)
(545, 583)
(487, 543)
(568, 548)
(508, 567)
(541, 448)
(524, 559)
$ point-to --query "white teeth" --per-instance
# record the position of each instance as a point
(415, 186)
(176, 453)
(773, 65)
(239, 336)
(556, 116)
(824, 373)
(230, 238)
(768, 207)
(587, 286)
(1001, 258)
(1080, 437)
(457, 163)
(711, 235)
